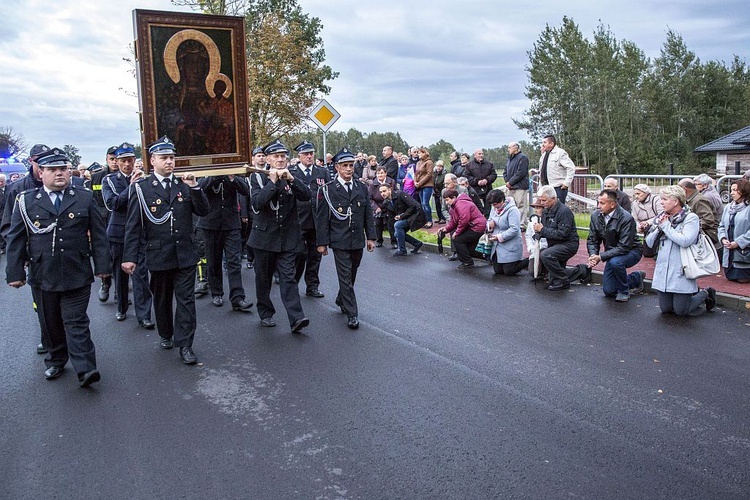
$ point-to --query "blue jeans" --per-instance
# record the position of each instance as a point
(425, 194)
(615, 278)
(401, 227)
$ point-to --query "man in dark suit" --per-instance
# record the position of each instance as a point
(276, 235)
(2, 206)
(32, 180)
(96, 187)
(407, 215)
(57, 230)
(222, 230)
(160, 214)
(116, 193)
(308, 260)
(343, 221)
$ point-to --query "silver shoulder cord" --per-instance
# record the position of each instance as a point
(30, 225)
(146, 211)
(274, 208)
(112, 187)
(335, 213)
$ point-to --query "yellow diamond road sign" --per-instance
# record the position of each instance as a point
(324, 115)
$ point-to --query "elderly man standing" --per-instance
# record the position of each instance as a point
(614, 227)
(558, 227)
(389, 162)
(623, 200)
(56, 229)
(276, 236)
(344, 221)
(516, 177)
(703, 209)
(556, 169)
(481, 174)
(704, 185)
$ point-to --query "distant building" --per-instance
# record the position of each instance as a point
(730, 149)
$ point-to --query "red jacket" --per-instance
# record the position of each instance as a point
(465, 216)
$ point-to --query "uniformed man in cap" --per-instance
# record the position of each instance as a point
(31, 181)
(222, 238)
(57, 230)
(276, 235)
(344, 222)
(117, 191)
(160, 215)
(308, 260)
(259, 162)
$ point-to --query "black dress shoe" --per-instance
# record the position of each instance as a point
(217, 301)
(417, 248)
(394, 246)
(120, 316)
(147, 324)
(188, 356)
(352, 322)
(40, 349)
(453, 257)
(242, 306)
(298, 325)
(267, 322)
(399, 253)
(556, 287)
(201, 288)
(53, 372)
(166, 343)
(249, 264)
(379, 244)
(88, 378)
(463, 267)
(314, 292)
(104, 293)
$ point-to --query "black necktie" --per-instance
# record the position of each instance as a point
(58, 200)
(168, 188)
(543, 173)
(348, 187)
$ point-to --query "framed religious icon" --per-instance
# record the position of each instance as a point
(192, 87)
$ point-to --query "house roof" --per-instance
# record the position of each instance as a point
(736, 141)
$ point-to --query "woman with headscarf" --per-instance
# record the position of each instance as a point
(734, 233)
(674, 228)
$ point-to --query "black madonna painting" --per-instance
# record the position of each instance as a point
(192, 85)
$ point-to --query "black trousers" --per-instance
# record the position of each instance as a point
(226, 244)
(464, 244)
(347, 263)
(265, 264)
(141, 293)
(509, 268)
(175, 323)
(555, 258)
(438, 197)
(35, 305)
(66, 327)
(308, 260)
(381, 224)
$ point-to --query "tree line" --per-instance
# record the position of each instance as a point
(616, 111)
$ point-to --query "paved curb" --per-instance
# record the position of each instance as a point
(725, 300)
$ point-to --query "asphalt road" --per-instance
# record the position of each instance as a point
(457, 385)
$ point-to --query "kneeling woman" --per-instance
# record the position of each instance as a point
(505, 224)
(467, 221)
(672, 229)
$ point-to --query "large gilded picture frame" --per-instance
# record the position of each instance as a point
(192, 87)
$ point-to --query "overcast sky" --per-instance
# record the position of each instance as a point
(430, 70)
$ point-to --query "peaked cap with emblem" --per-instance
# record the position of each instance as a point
(163, 146)
(125, 150)
(38, 150)
(343, 156)
(275, 147)
(305, 147)
(53, 158)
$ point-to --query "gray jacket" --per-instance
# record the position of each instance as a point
(668, 274)
(741, 255)
(507, 229)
